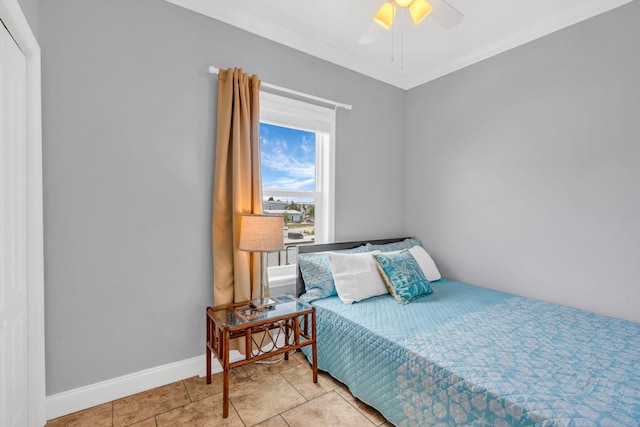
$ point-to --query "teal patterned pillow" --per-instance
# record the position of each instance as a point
(317, 275)
(396, 246)
(402, 275)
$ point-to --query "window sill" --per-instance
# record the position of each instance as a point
(281, 276)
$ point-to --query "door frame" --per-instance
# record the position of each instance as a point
(17, 24)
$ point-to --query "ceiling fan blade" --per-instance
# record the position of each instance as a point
(445, 14)
(371, 33)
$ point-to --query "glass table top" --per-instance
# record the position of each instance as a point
(241, 314)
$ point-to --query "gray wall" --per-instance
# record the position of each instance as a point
(521, 178)
(129, 120)
(523, 170)
(30, 10)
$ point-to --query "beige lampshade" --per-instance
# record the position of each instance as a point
(384, 16)
(419, 9)
(261, 233)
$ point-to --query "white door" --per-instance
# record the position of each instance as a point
(13, 235)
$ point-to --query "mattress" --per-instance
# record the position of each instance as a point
(466, 355)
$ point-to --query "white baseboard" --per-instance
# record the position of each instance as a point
(85, 397)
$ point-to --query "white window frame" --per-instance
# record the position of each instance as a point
(287, 112)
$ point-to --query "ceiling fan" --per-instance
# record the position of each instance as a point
(441, 11)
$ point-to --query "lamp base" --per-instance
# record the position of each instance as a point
(263, 303)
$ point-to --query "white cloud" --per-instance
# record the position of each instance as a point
(289, 165)
(293, 170)
(287, 158)
(289, 183)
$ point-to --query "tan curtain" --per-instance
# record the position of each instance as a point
(237, 187)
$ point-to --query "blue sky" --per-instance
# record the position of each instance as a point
(288, 158)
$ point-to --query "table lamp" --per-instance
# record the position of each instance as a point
(264, 234)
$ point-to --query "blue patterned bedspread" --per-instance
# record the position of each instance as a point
(472, 356)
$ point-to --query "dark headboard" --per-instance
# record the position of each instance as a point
(305, 249)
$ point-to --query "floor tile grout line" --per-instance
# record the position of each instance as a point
(333, 390)
(356, 408)
(279, 414)
(231, 402)
(290, 409)
(187, 388)
(231, 385)
(237, 413)
(284, 419)
(191, 400)
(155, 422)
(304, 403)
(323, 394)
(154, 416)
(295, 388)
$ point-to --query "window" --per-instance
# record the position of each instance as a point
(297, 160)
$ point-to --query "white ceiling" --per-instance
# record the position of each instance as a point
(407, 55)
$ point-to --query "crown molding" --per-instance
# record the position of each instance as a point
(227, 13)
(557, 22)
(222, 11)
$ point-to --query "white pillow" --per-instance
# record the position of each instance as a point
(356, 276)
(425, 262)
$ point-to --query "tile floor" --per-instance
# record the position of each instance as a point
(265, 395)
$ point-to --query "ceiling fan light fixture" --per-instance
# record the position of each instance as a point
(384, 16)
(404, 3)
(419, 9)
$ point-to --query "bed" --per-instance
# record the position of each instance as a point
(466, 355)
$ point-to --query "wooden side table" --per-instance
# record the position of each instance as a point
(289, 326)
